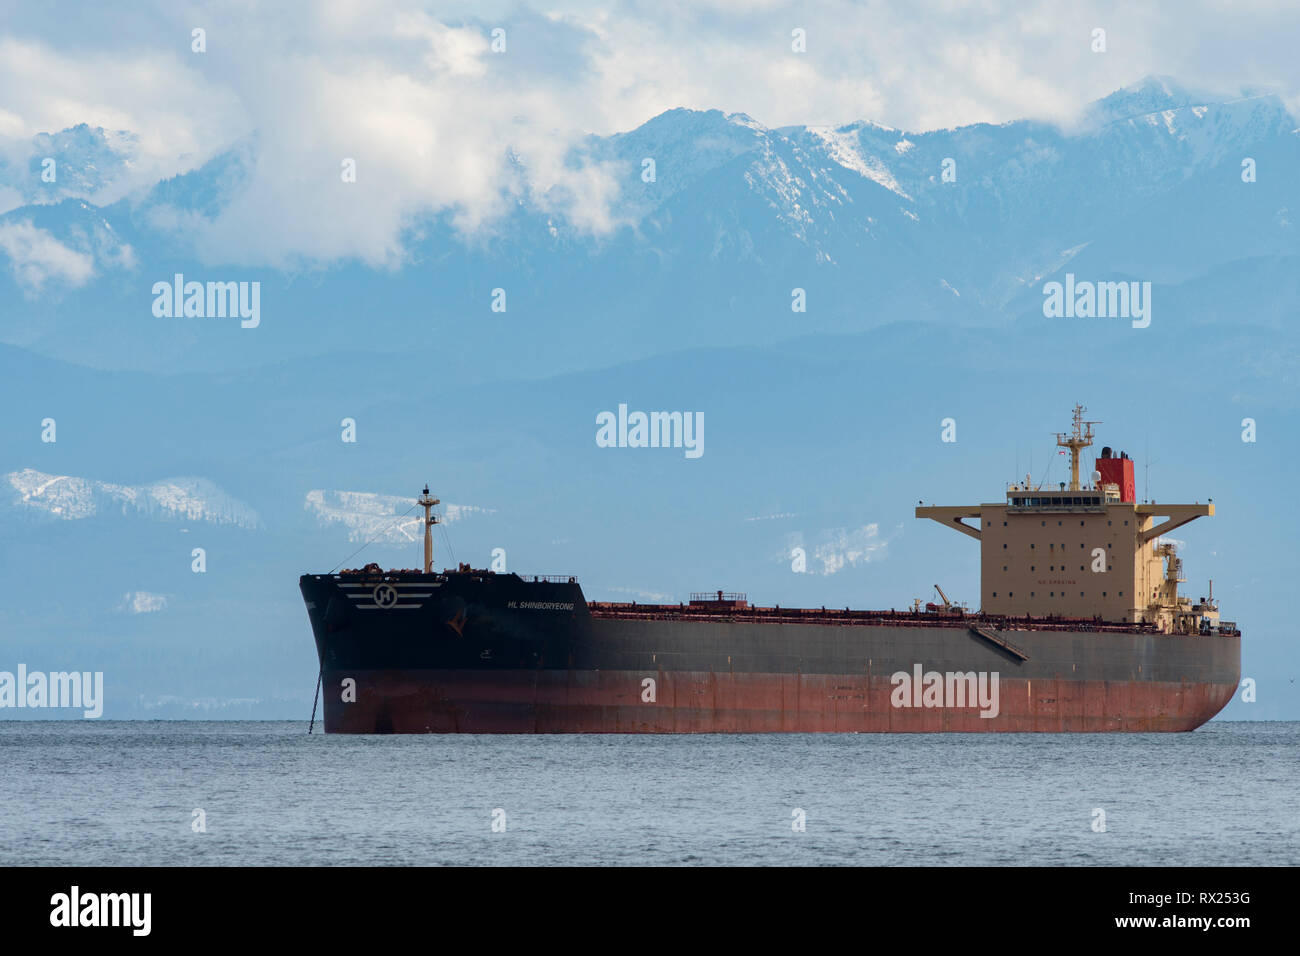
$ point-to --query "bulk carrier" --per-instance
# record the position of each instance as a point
(1081, 628)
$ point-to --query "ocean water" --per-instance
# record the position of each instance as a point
(125, 793)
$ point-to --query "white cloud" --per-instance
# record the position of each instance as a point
(650, 597)
(432, 115)
(142, 602)
(834, 549)
(182, 117)
(36, 257)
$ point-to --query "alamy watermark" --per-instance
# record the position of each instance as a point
(1099, 300)
(57, 689)
(651, 430)
(211, 300)
(75, 908)
(950, 689)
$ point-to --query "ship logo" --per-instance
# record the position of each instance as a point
(389, 595)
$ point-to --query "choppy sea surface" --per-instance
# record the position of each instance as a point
(128, 793)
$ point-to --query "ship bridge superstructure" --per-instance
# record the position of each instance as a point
(1082, 549)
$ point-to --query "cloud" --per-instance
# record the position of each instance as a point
(652, 597)
(175, 117)
(442, 125)
(36, 257)
(142, 602)
(834, 549)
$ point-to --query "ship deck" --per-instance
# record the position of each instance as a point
(734, 608)
(849, 617)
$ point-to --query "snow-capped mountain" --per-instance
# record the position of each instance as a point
(369, 516)
(75, 163)
(71, 498)
(872, 223)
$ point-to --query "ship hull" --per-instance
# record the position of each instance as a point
(572, 702)
(489, 653)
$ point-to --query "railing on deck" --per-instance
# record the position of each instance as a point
(713, 597)
(706, 611)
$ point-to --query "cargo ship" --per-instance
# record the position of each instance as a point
(1081, 628)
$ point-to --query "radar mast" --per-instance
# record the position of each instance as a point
(1079, 439)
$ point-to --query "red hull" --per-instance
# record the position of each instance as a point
(546, 701)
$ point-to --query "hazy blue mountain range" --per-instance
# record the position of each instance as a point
(924, 301)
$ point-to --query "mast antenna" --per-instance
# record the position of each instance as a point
(1079, 438)
(427, 501)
